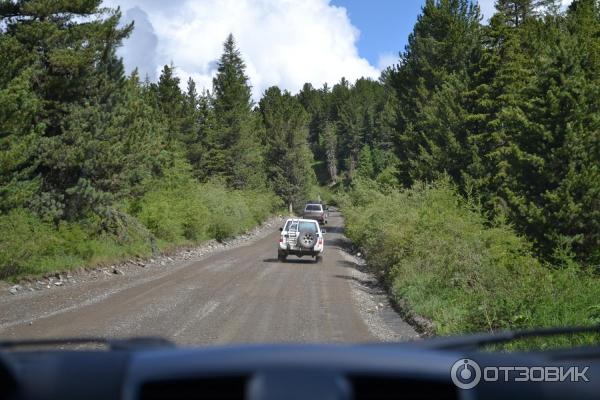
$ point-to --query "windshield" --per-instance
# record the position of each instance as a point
(313, 207)
(151, 152)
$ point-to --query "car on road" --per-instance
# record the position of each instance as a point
(301, 237)
(316, 211)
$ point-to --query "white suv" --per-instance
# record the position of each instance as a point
(301, 237)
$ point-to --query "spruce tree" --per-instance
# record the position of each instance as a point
(237, 151)
(172, 106)
(566, 96)
(288, 158)
(206, 155)
(20, 133)
(510, 147)
(442, 43)
(330, 146)
(366, 169)
(70, 49)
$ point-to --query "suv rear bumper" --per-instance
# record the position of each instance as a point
(299, 253)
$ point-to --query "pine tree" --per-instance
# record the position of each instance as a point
(288, 157)
(73, 65)
(329, 144)
(313, 102)
(443, 139)
(508, 142)
(317, 103)
(20, 133)
(237, 152)
(386, 115)
(514, 12)
(69, 63)
(107, 151)
(354, 109)
(206, 155)
(191, 103)
(566, 95)
(172, 105)
(350, 132)
(442, 43)
(366, 169)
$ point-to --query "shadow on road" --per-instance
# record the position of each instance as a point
(333, 229)
(358, 267)
(341, 242)
(299, 261)
(290, 261)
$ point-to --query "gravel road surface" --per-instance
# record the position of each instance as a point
(240, 294)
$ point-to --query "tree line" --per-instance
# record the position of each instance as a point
(78, 135)
(509, 110)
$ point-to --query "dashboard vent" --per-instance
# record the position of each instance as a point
(215, 388)
(387, 388)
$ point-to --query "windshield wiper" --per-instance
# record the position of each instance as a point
(133, 343)
(477, 341)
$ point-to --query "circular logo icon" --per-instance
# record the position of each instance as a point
(465, 373)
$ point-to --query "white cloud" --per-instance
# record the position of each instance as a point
(283, 42)
(386, 60)
(488, 9)
(566, 3)
(143, 54)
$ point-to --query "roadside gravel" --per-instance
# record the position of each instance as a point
(374, 304)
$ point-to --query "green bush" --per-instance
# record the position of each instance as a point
(31, 246)
(191, 212)
(438, 253)
(170, 214)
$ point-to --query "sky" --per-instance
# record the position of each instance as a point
(283, 42)
(384, 27)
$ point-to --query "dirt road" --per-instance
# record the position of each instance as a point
(240, 295)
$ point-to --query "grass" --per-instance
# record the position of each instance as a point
(165, 217)
(438, 253)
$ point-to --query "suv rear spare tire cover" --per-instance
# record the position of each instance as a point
(307, 239)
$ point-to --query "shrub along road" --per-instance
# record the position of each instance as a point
(240, 295)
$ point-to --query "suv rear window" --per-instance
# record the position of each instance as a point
(313, 207)
(308, 226)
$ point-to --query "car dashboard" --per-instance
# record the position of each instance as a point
(260, 372)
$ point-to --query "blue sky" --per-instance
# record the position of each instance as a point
(384, 25)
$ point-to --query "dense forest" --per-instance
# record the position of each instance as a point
(509, 110)
(97, 165)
